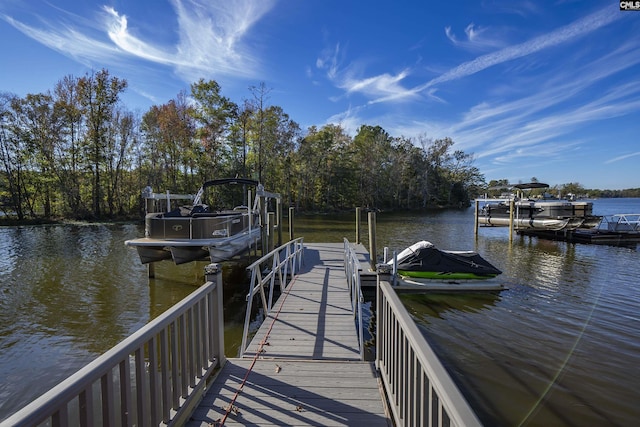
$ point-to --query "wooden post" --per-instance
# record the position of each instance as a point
(358, 226)
(271, 217)
(291, 233)
(372, 240)
(511, 207)
(279, 219)
(475, 225)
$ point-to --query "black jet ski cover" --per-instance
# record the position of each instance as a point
(424, 256)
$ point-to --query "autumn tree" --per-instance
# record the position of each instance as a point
(172, 153)
(68, 145)
(13, 157)
(372, 151)
(214, 115)
(323, 177)
(99, 94)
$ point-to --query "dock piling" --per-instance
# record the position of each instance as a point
(291, 233)
(358, 211)
(475, 223)
(373, 250)
(511, 208)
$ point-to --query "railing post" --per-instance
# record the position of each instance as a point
(213, 273)
(383, 274)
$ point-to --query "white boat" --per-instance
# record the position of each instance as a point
(546, 213)
(201, 231)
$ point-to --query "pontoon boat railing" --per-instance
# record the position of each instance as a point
(419, 389)
(153, 377)
(621, 222)
(281, 263)
(352, 270)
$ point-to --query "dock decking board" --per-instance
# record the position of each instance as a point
(308, 371)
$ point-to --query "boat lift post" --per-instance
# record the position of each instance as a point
(291, 211)
(271, 219)
(358, 240)
(279, 219)
(511, 206)
(476, 221)
(372, 239)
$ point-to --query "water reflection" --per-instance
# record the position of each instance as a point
(69, 293)
(425, 306)
(561, 346)
(557, 348)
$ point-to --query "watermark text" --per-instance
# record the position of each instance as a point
(630, 5)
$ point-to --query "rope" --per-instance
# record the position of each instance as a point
(230, 407)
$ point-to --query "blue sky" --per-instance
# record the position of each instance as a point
(533, 89)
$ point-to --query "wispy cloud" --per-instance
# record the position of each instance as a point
(626, 156)
(476, 38)
(387, 87)
(69, 40)
(565, 34)
(212, 35)
(347, 79)
(118, 32)
(211, 38)
(545, 124)
(329, 61)
(381, 85)
(350, 120)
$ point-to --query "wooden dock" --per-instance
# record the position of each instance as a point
(303, 366)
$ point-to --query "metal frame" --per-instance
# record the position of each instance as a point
(282, 263)
(352, 270)
(621, 222)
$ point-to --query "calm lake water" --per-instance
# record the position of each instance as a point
(560, 347)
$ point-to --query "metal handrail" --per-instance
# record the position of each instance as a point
(352, 271)
(282, 263)
(621, 222)
(419, 389)
(154, 376)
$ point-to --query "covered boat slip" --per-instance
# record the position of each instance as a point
(545, 212)
(303, 366)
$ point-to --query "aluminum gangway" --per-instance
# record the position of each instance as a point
(304, 366)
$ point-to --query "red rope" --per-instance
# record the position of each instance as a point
(230, 407)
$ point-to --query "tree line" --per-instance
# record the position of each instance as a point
(77, 152)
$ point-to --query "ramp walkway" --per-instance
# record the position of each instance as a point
(303, 365)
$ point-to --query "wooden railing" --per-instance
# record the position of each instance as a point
(352, 270)
(153, 377)
(282, 264)
(419, 389)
